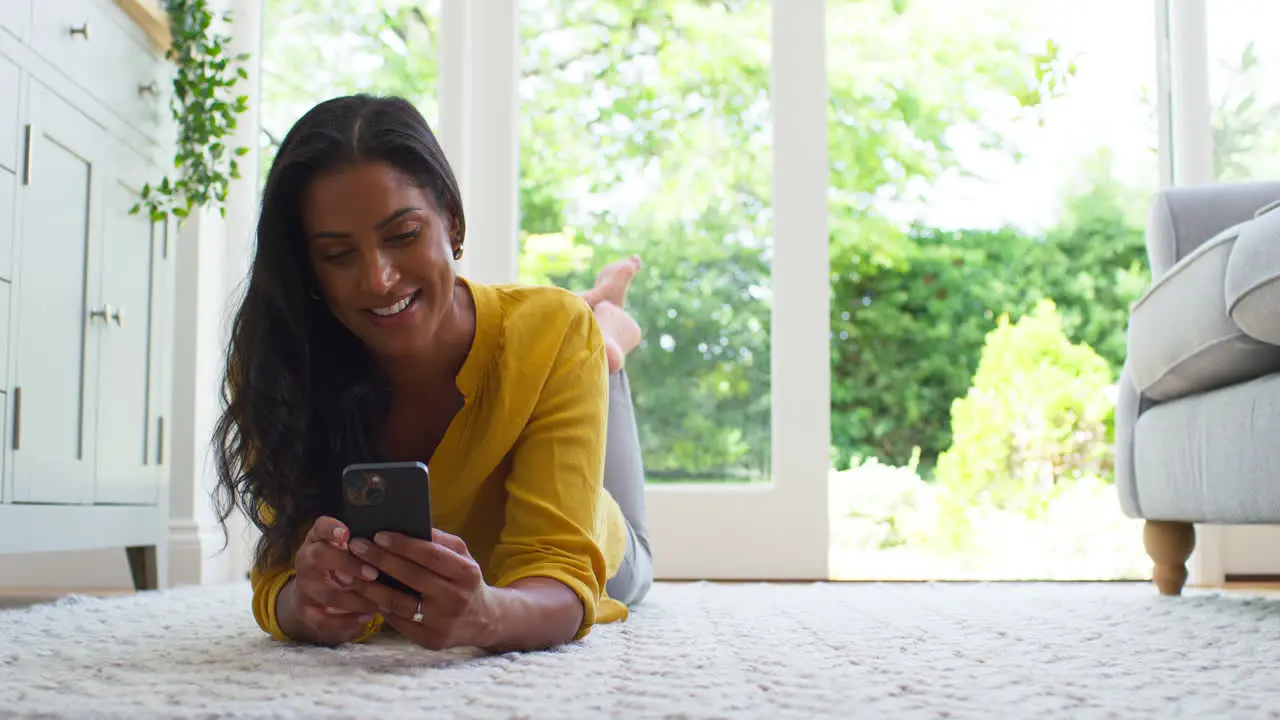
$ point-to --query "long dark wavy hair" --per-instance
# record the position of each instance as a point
(302, 397)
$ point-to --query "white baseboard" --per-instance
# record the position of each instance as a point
(197, 555)
(1250, 550)
(105, 569)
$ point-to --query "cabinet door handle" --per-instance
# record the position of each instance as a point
(17, 418)
(104, 313)
(29, 142)
(82, 31)
(150, 88)
(118, 317)
(160, 440)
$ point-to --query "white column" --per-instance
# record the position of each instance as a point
(489, 123)
(1189, 89)
(1191, 146)
(801, 265)
(454, 88)
(212, 259)
(242, 197)
(242, 225)
(198, 302)
(1164, 94)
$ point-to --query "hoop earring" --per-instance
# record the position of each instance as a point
(457, 252)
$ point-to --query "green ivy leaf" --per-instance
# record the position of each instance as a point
(205, 110)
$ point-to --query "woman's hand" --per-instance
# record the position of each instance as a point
(321, 604)
(458, 608)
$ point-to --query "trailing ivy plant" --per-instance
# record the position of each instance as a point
(204, 106)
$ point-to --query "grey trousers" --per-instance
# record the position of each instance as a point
(624, 480)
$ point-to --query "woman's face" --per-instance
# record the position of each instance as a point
(382, 254)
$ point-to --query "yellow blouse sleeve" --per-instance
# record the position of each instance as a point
(557, 476)
(266, 589)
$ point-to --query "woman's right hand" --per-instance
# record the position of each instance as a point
(318, 604)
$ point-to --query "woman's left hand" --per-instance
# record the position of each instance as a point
(457, 604)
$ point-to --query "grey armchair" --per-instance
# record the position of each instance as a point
(1198, 407)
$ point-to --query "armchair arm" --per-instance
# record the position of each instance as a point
(1128, 408)
(1183, 218)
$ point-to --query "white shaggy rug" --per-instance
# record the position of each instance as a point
(692, 650)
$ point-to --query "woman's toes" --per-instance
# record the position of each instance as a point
(614, 355)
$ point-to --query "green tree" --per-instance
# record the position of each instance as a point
(908, 340)
(317, 49)
(677, 147)
(1093, 265)
(645, 128)
(1036, 416)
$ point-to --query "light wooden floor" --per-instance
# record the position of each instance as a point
(24, 597)
(1268, 589)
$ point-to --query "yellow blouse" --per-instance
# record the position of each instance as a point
(519, 474)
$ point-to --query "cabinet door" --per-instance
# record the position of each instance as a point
(8, 224)
(55, 339)
(125, 471)
(14, 16)
(10, 128)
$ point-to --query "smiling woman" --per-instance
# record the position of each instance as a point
(370, 227)
(357, 341)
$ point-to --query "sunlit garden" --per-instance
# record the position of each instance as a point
(990, 164)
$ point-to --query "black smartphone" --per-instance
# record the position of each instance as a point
(387, 496)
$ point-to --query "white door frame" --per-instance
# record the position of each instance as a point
(777, 530)
(1184, 63)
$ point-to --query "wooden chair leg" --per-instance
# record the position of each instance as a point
(1169, 544)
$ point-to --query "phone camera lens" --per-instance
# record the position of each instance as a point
(354, 488)
(374, 495)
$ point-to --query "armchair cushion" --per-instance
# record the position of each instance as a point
(1181, 338)
(1253, 277)
(1211, 458)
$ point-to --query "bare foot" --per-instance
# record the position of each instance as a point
(621, 333)
(613, 281)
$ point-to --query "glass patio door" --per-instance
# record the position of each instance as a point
(694, 135)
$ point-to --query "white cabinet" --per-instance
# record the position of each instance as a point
(85, 287)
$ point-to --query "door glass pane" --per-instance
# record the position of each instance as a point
(990, 159)
(313, 50)
(645, 130)
(1244, 59)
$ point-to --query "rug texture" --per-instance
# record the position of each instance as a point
(691, 650)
